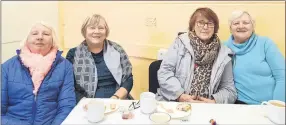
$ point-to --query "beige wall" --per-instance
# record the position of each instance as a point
(129, 26)
(18, 17)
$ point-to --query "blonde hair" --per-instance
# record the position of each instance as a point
(94, 19)
(238, 13)
(54, 36)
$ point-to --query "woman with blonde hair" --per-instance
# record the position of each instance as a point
(101, 67)
(37, 83)
(258, 66)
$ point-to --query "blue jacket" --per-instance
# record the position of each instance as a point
(259, 70)
(53, 103)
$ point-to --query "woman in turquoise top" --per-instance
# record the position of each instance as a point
(258, 66)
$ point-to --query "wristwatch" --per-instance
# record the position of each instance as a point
(116, 96)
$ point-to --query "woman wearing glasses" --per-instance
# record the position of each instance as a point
(259, 67)
(197, 67)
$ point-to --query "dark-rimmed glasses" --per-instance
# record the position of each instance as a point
(203, 23)
(134, 105)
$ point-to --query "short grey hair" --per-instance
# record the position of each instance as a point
(91, 20)
(238, 13)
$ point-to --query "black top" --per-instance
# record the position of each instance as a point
(106, 85)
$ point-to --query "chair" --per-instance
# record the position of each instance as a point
(153, 68)
(153, 79)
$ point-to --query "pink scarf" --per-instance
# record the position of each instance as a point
(38, 65)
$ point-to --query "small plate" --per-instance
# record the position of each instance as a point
(109, 108)
(160, 117)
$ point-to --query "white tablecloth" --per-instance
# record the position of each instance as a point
(201, 114)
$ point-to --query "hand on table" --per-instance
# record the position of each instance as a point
(189, 98)
(194, 99)
(185, 98)
(206, 100)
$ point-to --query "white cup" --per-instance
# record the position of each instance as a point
(148, 103)
(275, 112)
(95, 111)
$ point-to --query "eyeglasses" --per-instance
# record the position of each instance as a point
(134, 105)
(203, 23)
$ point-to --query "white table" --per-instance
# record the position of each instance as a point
(201, 114)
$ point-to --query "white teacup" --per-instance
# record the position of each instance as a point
(275, 111)
(148, 103)
(95, 111)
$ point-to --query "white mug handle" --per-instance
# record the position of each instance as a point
(265, 103)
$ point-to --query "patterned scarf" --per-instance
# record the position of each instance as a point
(205, 54)
(84, 67)
(38, 65)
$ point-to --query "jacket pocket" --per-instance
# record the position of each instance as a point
(52, 89)
(17, 90)
(180, 62)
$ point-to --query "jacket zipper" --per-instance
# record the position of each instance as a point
(233, 64)
(217, 76)
(34, 108)
(191, 78)
(36, 96)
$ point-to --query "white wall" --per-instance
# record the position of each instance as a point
(17, 19)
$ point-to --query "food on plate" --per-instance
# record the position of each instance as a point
(184, 107)
(85, 107)
(127, 115)
(112, 106)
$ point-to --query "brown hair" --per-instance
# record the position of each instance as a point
(207, 13)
